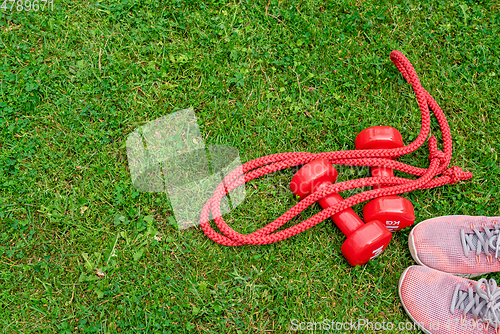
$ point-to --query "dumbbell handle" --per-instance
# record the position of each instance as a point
(347, 220)
(379, 137)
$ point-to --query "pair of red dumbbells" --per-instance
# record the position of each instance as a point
(382, 215)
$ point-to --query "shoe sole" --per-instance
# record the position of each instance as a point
(411, 245)
(413, 251)
(404, 306)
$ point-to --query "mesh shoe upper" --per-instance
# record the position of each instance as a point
(463, 245)
(442, 303)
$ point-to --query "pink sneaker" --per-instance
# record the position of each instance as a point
(461, 245)
(441, 303)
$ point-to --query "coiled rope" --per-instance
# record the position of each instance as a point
(439, 161)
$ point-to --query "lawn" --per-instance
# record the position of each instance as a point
(82, 251)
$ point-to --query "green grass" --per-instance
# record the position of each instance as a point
(308, 76)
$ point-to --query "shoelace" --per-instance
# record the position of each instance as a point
(486, 240)
(482, 304)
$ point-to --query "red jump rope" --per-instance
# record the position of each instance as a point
(437, 174)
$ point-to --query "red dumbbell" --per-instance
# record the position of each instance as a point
(394, 211)
(364, 241)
